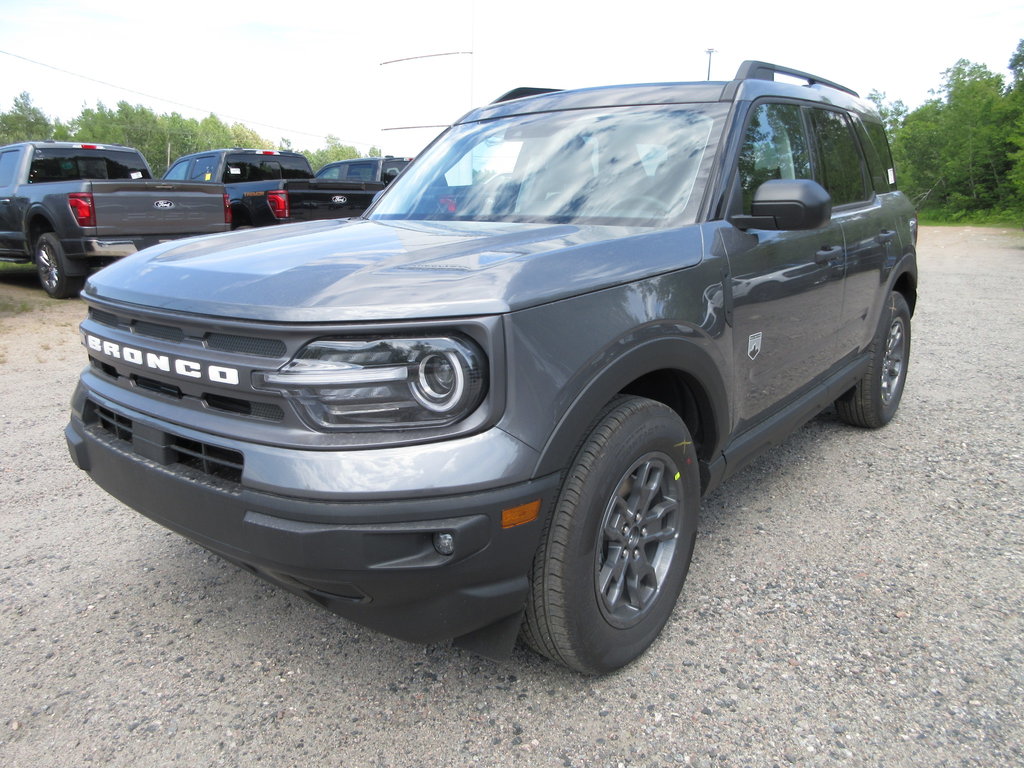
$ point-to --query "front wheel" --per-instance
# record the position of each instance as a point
(874, 400)
(52, 267)
(618, 545)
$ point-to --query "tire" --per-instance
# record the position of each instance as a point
(873, 401)
(52, 268)
(615, 553)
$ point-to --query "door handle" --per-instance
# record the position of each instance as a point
(886, 236)
(828, 253)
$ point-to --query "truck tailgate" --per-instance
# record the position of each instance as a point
(153, 207)
(329, 199)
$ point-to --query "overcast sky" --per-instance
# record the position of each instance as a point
(307, 68)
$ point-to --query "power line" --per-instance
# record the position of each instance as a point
(176, 103)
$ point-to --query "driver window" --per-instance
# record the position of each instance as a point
(775, 147)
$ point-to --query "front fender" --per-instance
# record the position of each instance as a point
(682, 360)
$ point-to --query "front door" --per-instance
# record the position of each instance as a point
(786, 286)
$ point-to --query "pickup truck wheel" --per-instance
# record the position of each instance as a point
(617, 547)
(52, 267)
(873, 401)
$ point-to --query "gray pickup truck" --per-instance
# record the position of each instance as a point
(72, 208)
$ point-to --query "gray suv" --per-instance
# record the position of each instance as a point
(489, 407)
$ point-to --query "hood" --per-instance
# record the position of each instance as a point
(359, 270)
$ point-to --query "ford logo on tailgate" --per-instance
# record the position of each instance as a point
(163, 205)
(339, 199)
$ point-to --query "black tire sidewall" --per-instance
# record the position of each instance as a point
(896, 307)
(652, 427)
(65, 286)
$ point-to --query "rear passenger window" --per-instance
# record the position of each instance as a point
(876, 146)
(775, 147)
(839, 169)
(203, 168)
(8, 163)
(178, 171)
(362, 172)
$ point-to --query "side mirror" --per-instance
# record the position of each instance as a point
(783, 204)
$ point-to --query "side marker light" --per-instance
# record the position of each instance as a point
(524, 513)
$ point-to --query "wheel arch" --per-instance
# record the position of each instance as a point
(36, 224)
(674, 372)
(905, 280)
(906, 284)
(240, 216)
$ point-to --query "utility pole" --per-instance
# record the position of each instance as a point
(710, 51)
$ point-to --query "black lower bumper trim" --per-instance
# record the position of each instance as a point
(386, 575)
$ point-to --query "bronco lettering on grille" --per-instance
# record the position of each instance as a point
(192, 369)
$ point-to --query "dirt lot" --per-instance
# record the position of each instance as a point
(856, 597)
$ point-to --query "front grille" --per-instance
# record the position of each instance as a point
(239, 407)
(106, 318)
(231, 405)
(117, 426)
(166, 447)
(223, 342)
(208, 459)
(166, 332)
(247, 345)
(158, 386)
(200, 366)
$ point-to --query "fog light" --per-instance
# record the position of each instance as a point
(444, 543)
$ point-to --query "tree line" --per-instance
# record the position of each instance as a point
(162, 138)
(960, 155)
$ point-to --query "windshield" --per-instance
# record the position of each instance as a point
(641, 166)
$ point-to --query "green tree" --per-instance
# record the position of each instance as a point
(24, 122)
(892, 113)
(241, 136)
(1015, 107)
(956, 151)
(98, 125)
(332, 152)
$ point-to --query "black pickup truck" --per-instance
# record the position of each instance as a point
(268, 186)
(385, 169)
(72, 208)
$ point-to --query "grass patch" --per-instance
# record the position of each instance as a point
(933, 218)
(10, 306)
(20, 290)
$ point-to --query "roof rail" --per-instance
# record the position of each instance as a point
(522, 93)
(762, 70)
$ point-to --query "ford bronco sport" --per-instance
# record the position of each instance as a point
(490, 406)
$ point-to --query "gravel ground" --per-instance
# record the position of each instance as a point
(855, 598)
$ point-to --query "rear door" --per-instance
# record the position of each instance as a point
(786, 286)
(871, 222)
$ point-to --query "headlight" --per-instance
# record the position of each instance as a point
(372, 384)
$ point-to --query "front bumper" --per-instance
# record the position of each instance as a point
(365, 556)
